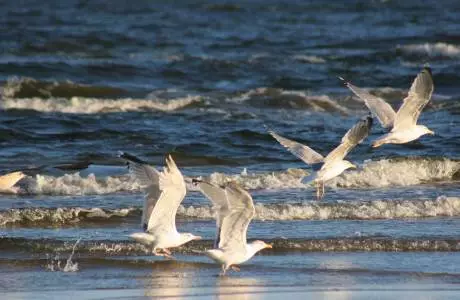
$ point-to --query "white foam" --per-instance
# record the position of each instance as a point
(430, 49)
(96, 105)
(373, 174)
(313, 59)
(376, 174)
(377, 209)
(54, 264)
(398, 172)
(291, 99)
(74, 184)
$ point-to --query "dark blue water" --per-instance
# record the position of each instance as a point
(202, 80)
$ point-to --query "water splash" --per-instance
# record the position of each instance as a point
(55, 264)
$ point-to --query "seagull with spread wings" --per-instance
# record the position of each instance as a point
(164, 193)
(403, 124)
(333, 164)
(235, 210)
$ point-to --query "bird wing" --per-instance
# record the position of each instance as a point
(378, 107)
(218, 198)
(305, 153)
(8, 180)
(235, 224)
(173, 190)
(149, 178)
(353, 137)
(419, 95)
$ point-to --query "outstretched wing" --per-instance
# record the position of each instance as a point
(235, 224)
(378, 107)
(353, 137)
(149, 178)
(218, 198)
(419, 95)
(173, 190)
(8, 180)
(305, 153)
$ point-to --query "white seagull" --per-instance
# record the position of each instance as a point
(235, 210)
(8, 181)
(164, 193)
(333, 164)
(403, 124)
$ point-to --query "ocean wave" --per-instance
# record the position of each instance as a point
(313, 59)
(75, 184)
(375, 174)
(29, 88)
(59, 216)
(84, 105)
(372, 174)
(279, 98)
(117, 248)
(432, 50)
(356, 210)
(399, 172)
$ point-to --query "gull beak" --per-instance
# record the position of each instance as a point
(431, 132)
(197, 238)
(353, 166)
(268, 246)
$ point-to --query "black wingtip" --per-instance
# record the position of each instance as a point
(344, 82)
(130, 157)
(428, 69)
(369, 120)
(196, 181)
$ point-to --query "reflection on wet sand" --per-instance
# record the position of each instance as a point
(231, 287)
(180, 279)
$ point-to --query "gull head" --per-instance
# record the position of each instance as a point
(349, 165)
(259, 245)
(422, 130)
(187, 237)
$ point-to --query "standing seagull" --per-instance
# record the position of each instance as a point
(333, 164)
(235, 210)
(164, 193)
(403, 123)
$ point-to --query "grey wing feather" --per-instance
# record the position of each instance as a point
(235, 224)
(353, 137)
(172, 192)
(305, 153)
(149, 178)
(218, 198)
(378, 107)
(419, 95)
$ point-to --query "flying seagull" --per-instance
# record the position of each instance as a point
(8, 181)
(235, 210)
(403, 124)
(164, 193)
(333, 164)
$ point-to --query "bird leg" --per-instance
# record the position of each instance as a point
(168, 254)
(235, 268)
(319, 190)
(224, 269)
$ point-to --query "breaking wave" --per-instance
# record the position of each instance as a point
(279, 98)
(28, 88)
(381, 173)
(75, 184)
(373, 174)
(399, 172)
(359, 210)
(83, 105)
(116, 248)
(432, 50)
